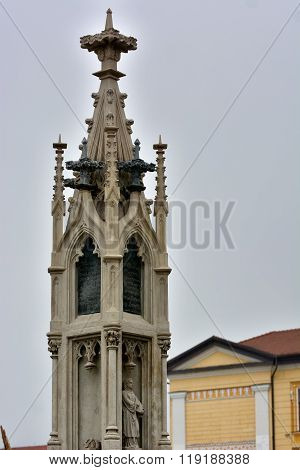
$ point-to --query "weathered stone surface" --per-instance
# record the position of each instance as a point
(109, 279)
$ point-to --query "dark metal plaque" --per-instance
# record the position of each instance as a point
(88, 280)
(132, 279)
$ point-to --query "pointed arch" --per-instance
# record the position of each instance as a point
(84, 275)
(133, 270)
(88, 280)
(146, 239)
(74, 251)
(137, 278)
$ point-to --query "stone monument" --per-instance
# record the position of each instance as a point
(109, 330)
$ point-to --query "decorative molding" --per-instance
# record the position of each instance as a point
(89, 122)
(90, 352)
(95, 97)
(112, 337)
(129, 123)
(110, 120)
(110, 96)
(108, 44)
(221, 393)
(78, 253)
(54, 343)
(92, 444)
(56, 269)
(164, 342)
(133, 348)
(107, 258)
(123, 97)
(111, 183)
(163, 270)
(226, 445)
(261, 388)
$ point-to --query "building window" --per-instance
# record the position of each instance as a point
(295, 400)
(132, 279)
(88, 280)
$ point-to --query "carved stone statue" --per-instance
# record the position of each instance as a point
(131, 408)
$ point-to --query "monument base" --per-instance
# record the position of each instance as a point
(112, 441)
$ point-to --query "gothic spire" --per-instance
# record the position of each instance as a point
(108, 101)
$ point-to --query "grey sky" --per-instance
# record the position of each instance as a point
(192, 59)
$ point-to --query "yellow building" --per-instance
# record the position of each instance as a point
(226, 395)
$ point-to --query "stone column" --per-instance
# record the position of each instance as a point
(262, 419)
(178, 419)
(112, 436)
(164, 343)
(54, 344)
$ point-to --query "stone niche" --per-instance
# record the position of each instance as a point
(136, 365)
(86, 393)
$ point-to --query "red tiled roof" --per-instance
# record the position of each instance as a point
(280, 343)
(30, 448)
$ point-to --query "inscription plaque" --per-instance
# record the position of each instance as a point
(132, 279)
(88, 280)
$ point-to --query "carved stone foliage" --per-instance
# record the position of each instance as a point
(53, 346)
(129, 123)
(88, 348)
(123, 97)
(164, 342)
(110, 96)
(110, 119)
(136, 167)
(133, 349)
(101, 43)
(112, 336)
(86, 167)
(89, 122)
(92, 444)
(95, 97)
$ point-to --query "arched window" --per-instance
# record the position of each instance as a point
(132, 279)
(88, 278)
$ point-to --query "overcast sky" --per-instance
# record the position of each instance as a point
(211, 76)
